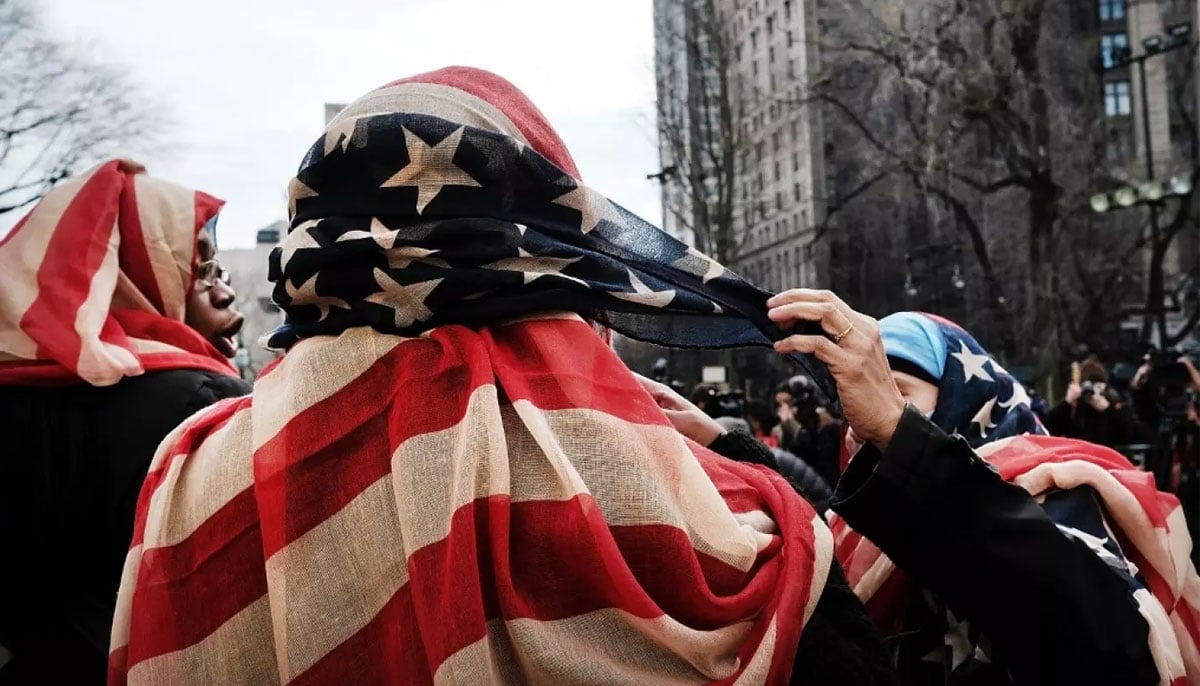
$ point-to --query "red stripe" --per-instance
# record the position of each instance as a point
(308, 458)
(562, 562)
(530, 361)
(186, 591)
(133, 254)
(74, 253)
(557, 364)
(118, 666)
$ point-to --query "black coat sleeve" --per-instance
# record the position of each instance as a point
(1053, 610)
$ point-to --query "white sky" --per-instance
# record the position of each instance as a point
(246, 80)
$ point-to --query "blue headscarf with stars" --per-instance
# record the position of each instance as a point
(977, 398)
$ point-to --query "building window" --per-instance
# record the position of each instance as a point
(771, 25)
(1116, 98)
(1111, 45)
(1120, 146)
(791, 69)
(779, 201)
(796, 191)
(775, 140)
(754, 39)
(776, 170)
(772, 86)
(771, 54)
(791, 39)
(795, 161)
(737, 52)
(754, 68)
(1111, 10)
(787, 10)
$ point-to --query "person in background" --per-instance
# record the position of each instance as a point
(116, 324)
(808, 427)
(1092, 413)
(762, 423)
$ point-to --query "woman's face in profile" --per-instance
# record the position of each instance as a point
(919, 393)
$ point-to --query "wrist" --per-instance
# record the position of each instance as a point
(889, 424)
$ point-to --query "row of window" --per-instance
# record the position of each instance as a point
(787, 268)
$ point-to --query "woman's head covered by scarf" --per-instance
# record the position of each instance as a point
(96, 282)
(447, 198)
(942, 368)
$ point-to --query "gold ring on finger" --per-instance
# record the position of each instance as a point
(839, 337)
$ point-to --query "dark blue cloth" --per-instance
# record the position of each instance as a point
(488, 231)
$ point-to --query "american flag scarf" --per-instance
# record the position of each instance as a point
(493, 503)
(1092, 493)
(448, 199)
(499, 505)
(94, 281)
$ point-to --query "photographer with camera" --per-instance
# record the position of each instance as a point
(808, 427)
(1091, 410)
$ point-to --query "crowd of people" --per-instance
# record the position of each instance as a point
(449, 476)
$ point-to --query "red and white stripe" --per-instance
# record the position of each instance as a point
(1148, 523)
(505, 505)
(94, 281)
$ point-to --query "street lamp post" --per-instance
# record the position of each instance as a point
(1151, 192)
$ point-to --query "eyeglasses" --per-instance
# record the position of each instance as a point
(210, 272)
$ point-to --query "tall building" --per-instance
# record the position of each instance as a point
(741, 152)
(1135, 27)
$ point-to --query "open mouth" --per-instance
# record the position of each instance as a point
(226, 339)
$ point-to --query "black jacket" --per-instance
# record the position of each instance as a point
(1113, 427)
(72, 462)
(1052, 609)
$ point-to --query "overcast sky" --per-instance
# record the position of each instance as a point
(246, 80)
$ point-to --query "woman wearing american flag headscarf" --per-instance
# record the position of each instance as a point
(116, 324)
(998, 559)
(449, 477)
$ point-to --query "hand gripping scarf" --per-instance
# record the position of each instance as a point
(1092, 493)
(495, 503)
(94, 281)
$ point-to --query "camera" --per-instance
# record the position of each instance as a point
(724, 403)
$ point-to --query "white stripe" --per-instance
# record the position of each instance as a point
(201, 483)
(167, 216)
(292, 387)
(329, 583)
(759, 665)
(123, 615)
(608, 644)
(822, 561)
(21, 256)
(1163, 644)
